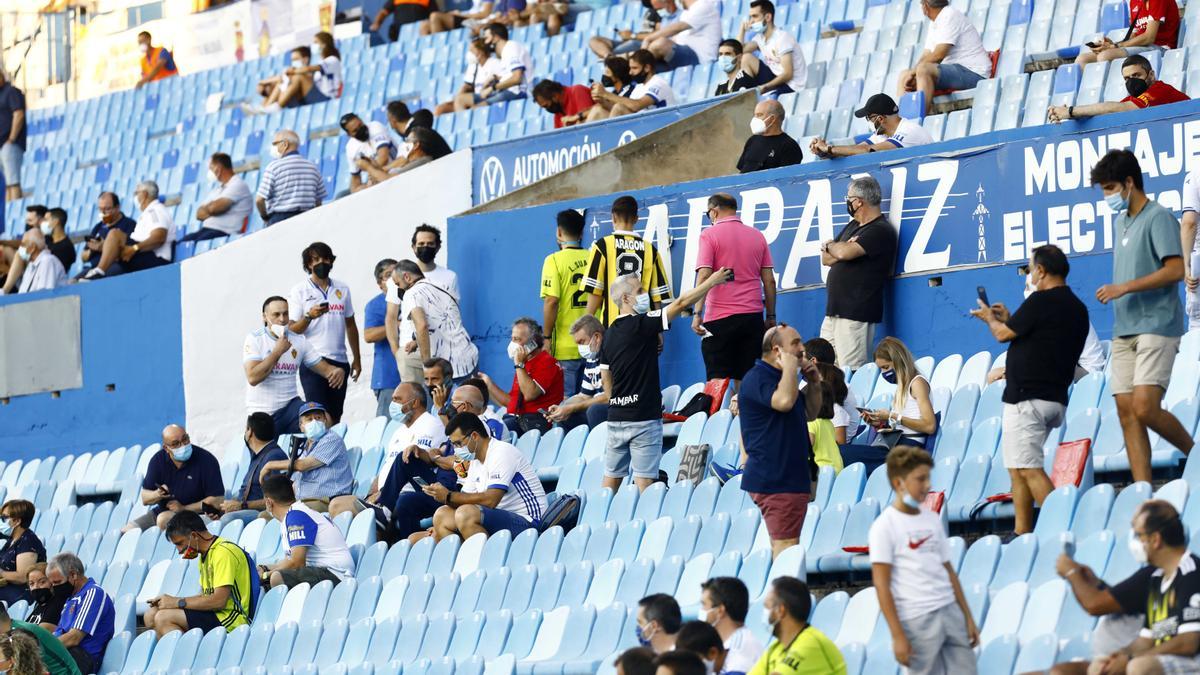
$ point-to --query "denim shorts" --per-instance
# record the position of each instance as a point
(957, 77)
(633, 444)
(510, 94)
(11, 156)
(1130, 51)
(681, 56)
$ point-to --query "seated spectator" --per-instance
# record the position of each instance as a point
(157, 63)
(469, 397)
(550, 12)
(1153, 27)
(777, 47)
(294, 88)
(180, 477)
(228, 585)
(58, 244)
(39, 269)
(29, 649)
(110, 218)
(368, 141)
(515, 68)
(501, 490)
(679, 662)
(23, 550)
(724, 603)
(315, 549)
(88, 616)
(658, 621)
(439, 380)
(629, 41)
(590, 405)
(821, 431)
(151, 243)
(322, 472)
(690, 39)
(786, 608)
(402, 121)
(402, 11)
(260, 442)
(650, 90)
(48, 598)
(327, 71)
(701, 639)
(954, 57)
(911, 419)
(1145, 91)
(569, 105)
(537, 379)
(635, 661)
(440, 22)
(425, 145)
(8, 247)
(742, 70)
(615, 85)
(227, 208)
(483, 70)
(891, 131)
(768, 146)
(384, 374)
(291, 184)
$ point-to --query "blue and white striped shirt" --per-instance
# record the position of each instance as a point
(334, 478)
(291, 183)
(91, 611)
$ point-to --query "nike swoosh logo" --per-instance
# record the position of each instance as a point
(914, 545)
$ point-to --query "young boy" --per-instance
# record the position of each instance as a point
(917, 586)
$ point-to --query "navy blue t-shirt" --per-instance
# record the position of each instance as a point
(199, 477)
(100, 231)
(384, 374)
(252, 487)
(777, 445)
(11, 100)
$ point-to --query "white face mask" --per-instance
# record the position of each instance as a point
(144, 49)
(316, 49)
(1137, 550)
(47, 228)
(757, 126)
(212, 176)
(275, 152)
(277, 330)
(297, 63)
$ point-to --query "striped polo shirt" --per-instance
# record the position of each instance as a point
(291, 183)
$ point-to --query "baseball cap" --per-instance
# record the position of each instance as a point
(879, 104)
(310, 407)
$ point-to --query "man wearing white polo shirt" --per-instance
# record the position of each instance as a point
(516, 66)
(651, 90)
(891, 131)
(314, 548)
(320, 308)
(271, 357)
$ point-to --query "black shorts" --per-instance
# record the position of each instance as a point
(402, 14)
(202, 619)
(307, 575)
(735, 343)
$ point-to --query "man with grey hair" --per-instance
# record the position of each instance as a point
(88, 617)
(151, 243)
(290, 184)
(629, 369)
(954, 56)
(768, 147)
(860, 261)
(590, 405)
(537, 380)
(42, 272)
(891, 131)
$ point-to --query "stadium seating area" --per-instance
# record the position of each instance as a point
(490, 604)
(78, 149)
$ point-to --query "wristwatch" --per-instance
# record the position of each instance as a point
(182, 603)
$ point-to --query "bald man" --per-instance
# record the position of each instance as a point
(469, 398)
(183, 477)
(37, 270)
(768, 147)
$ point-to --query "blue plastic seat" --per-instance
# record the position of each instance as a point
(1126, 503)
(828, 535)
(828, 613)
(858, 524)
(1015, 561)
(999, 655)
(848, 486)
(1005, 613)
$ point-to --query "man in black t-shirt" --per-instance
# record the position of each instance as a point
(768, 147)
(860, 261)
(629, 370)
(1046, 336)
(1166, 590)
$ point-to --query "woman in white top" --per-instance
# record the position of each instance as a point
(483, 69)
(327, 73)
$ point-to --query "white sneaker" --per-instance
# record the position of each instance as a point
(273, 108)
(93, 274)
(250, 109)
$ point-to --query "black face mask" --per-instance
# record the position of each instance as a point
(850, 208)
(640, 78)
(426, 254)
(42, 596)
(361, 133)
(554, 108)
(322, 270)
(606, 81)
(1136, 86)
(60, 593)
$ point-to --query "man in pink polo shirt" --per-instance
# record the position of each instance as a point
(730, 319)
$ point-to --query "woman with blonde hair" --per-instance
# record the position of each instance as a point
(20, 654)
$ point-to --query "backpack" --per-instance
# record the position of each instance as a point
(564, 512)
(693, 463)
(700, 403)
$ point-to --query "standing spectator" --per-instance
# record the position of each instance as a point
(569, 105)
(919, 594)
(434, 328)
(368, 141)
(260, 443)
(516, 67)
(180, 477)
(483, 70)
(778, 49)
(28, 640)
(42, 270)
(742, 70)
(537, 379)
(12, 133)
(658, 621)
(500, 492)
(911, 419)
(321, 468)
(157, 63)
(111, 218)
(1046, 337)
(954, 57)
(1191, 215)
(629, 41)
(649, 91)
(315, 549)
(891, 131)
(151, 244)
(1144, 88)
(320, 308)
(402, 11)
(290, 184)
(799, 647)
(23, 550)
(1147, 315)
(629, 366)
(775, 413)
(590, 405)
(730, 320)
(704, 641)
(615, 85)
(724, 603)
(228, 585)
(426, 244)
(635, 661)
(860, 262)
(227, 208)
(1153, 27)
(87, 619)
(271, 359)
(48, 598)
(384, 374)
(845, 423)
(562, 301)
(691, 39)
(768, 146)
(620, 253)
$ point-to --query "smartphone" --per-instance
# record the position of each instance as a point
(420, 482)
(1093, 45)
(863, 410)
(1069, 548)
(324, 305)
(211, 510)
(983, 295)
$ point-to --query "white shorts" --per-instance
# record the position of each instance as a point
(1025, 427)
(1142, 360)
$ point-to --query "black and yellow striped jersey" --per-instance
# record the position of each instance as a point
(617, 255)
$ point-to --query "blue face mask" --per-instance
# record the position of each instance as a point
(910, 502)
(464, 453)
(314, 430)
(641, 304)
(888, 376)
(726, 63)
(183, 453)
(395, 411)
(5, 528)
(757, 26)
(664, 13)
(640, 634)
(1118, 202)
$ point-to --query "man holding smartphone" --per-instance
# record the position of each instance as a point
(1153, 27)
(182, 477)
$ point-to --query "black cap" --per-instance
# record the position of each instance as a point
(879, 104)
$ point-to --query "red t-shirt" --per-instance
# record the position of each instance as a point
(544, 370)
(576, 98)
(1159, 93)
(1165, 12)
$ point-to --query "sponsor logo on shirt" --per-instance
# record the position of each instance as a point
(625, 400)
(295, 533)
(915, 541)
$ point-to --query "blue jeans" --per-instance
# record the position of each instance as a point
(383, 400)
(572, 374)
(956, 76)
(510, 94)
(280, 216)
(204, 233)
(246, 516)
(682, 55)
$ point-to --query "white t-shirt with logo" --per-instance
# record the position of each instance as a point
(326, 546)
(326, 333)
(426, 432)
(916, 548)
(704, 35)
(779, 46)
(908, 134)
(952, 27)
(507, 468)
(480, 75)
(155, 216)
(328, 80)
(280, 385)
(742, 651)
(377, 137)
(513, 58)
(656, 88)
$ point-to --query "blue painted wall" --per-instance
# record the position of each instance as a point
(131, 339)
